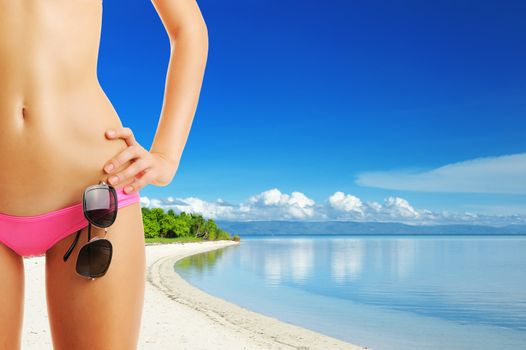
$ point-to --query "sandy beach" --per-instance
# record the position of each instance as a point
(177, 315)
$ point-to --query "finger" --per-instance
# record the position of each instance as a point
(140, 183)
(124, 133)
(141, 174)
(129, 172)
(129, 153)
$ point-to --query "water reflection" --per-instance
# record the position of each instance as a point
(445, 277)
(346, 259)
(294, 261)
(403, 257)
(199, 263)
(301, 259)
(273, 270)
(295, 266)
(420, 290)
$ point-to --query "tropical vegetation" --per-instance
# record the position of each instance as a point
(161, 226)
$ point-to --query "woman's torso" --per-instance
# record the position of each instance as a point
(53, 112)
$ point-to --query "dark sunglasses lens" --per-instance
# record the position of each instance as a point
(94, 258)
(100, 206)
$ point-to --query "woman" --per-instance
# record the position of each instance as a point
(55, 140)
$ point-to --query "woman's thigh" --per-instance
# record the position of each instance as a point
(104, 313)
(11, 298)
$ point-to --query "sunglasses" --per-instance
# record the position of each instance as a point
(99, 204)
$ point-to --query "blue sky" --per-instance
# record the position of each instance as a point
(337, 96)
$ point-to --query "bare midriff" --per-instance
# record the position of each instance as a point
(53, 111)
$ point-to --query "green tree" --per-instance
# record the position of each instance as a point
(151, 221)
(210, 230)
(157, 223)
(151, 224)
(222, 234)
(167, 224)
(182, 228)
(157, 213)
(197, 225)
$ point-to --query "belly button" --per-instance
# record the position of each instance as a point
(24, 112)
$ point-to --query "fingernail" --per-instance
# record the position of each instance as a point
(111, 132)
(113, 179)
(127, 189)
(108, 167)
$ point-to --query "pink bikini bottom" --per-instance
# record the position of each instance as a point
(34, 235)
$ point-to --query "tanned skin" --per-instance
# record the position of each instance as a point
(55, 122)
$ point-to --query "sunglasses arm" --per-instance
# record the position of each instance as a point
(70, 250)
(66, 256)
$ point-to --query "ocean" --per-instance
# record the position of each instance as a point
(384, 292)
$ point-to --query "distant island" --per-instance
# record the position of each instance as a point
(245, 228)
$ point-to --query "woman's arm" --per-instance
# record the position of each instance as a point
(188, 36)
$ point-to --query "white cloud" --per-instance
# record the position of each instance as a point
(504, 174)
(399, 207)
(281, 205)
(275, 205)
(347, 203)
(346, 206)
(270, 197)
(271, 204)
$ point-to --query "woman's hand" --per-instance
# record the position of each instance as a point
(145, 168)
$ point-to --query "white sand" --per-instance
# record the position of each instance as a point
(177, 315)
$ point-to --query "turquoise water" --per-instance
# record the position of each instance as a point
(384, 292)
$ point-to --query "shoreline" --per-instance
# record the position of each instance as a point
(248, 329)
(177, 315)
